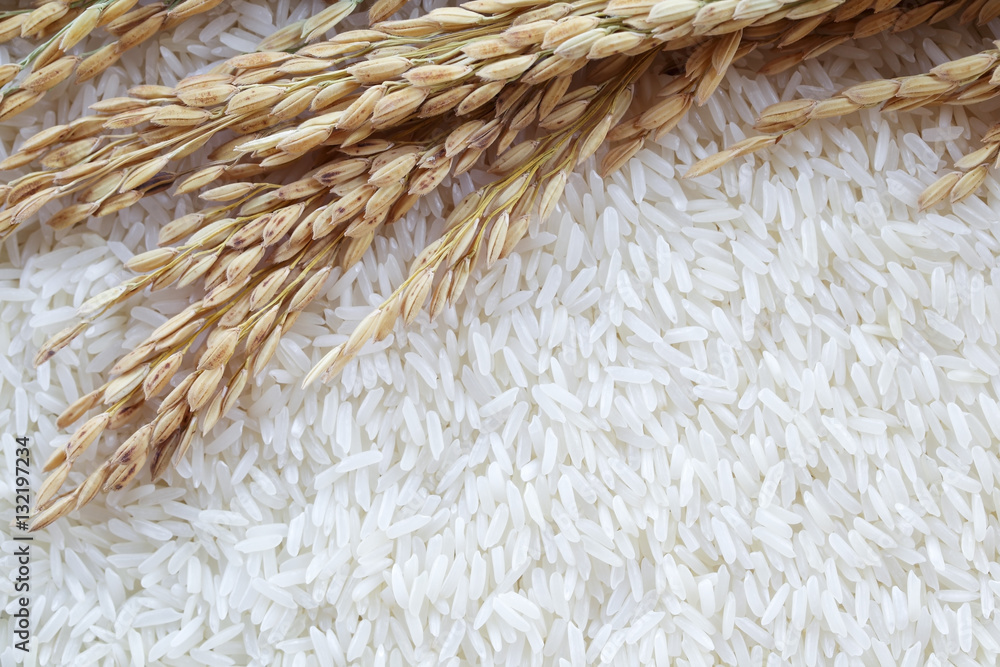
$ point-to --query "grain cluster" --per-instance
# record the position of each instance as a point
(371, 120)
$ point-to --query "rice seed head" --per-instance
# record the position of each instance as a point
(121, 476)
(52, 484)
(362, 334)
(397, 106)
(506, 69)
(59, 508)
(309, 290)
(968, 183)
(551, 194)
(78, 408)
(923, 85)
(81, 27)
(133, 448)
(266, 351)
(478, 97)
(430, 76)
(86, 434)
(253, 99)
(97, 62)
(568, 28)
(233, 391)
(211, 414)
(189, 8)
(58, 341)
(41, 18)
(965, 69)
(977, 157)
(495, 242)
(218, 353)
(784, 116)
(203, 387)
(331, 363)
(17, 102)
(416, 294)
(122, 386)
(376, 71)
(161, 374)
(51, 75)
(260, 330)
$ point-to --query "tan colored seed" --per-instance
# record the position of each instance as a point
(203, 387)
(197, 181)
(132, 359)
(233, 391)
(965, 69)
(228, 192)
(133, 448)
(977, 157)
(379, 70)
(46, 15)
(161, 374)
(51, 75)
(564, 115)
(253, 99)
(308, 291)
(280, 223)
(426, 180)
(209, 94)
(266, 351)
(267, 288)
(294, 104)
(968, 183)
(118, 202)
(334, 359)
(833, 107)
(507, 68)
(51, 485)
(397, 106)
(11, 27)
(121, 387)
(57, 509)
(177, 394)
(17, 102)
(241, 267)
(362, 333)
(97, 62)
(120, 477)
(218, 353)
(360, 109)
(174, 115)
(614, 44)
(261, 330)
(91, 486)
(436, 75)
(80, 28)
(151, 259)
(189, 8)
(141, 32)
(9, 72)
(923, 86)
(708, 164)
(495, 242)
(937, 191)
(222, 294)
(77, 408)
(567, 28)
(86, 435)
(143, 173)
(480, 96)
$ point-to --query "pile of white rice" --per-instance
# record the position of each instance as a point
(747, 419)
